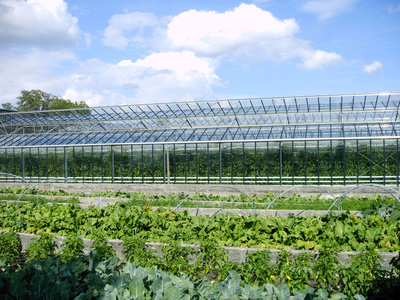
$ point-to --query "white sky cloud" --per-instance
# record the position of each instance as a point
(33, 69)
(40, 23)
(183, 64)
(189, 49)
(180, 75)
(95, 97)
(183, 55)
(318, 59)
(119, 35)
(375, 68)
(247, 31)
(217, 34)
(326, 9)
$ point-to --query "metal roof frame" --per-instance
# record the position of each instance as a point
(333, 116)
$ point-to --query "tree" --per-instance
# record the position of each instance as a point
(34, 100)
(8, 106)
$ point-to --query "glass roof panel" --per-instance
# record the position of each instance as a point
(363, 115)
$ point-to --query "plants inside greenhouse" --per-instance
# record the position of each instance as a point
(258, 162)
(323, 140)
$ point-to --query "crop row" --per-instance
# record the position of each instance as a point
(343, 232)
(136, 225)
(292, 202)
(67, 271)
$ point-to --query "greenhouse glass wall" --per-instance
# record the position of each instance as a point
(316, 140)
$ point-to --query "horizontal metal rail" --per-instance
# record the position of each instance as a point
(285, 180)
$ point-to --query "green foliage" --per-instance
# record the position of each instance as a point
(10, 248)
(370, 205)
(35, 100)
(102, 248)
(257, 267)
(129, 163)
(176, 259)
(8, 106)
(88, 278)
(72, 247)
(36, 196)
(51, 279)
(340, 232)
(211, 259)
(363, 269)
(136, 225)
(40, 247)
(326, 266)
(136, 251)
(373, 205)
(395, 214)
(297, 272)
(379, 205)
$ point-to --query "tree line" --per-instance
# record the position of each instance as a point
(37, 100)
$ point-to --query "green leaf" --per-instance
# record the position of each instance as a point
(137, 289)
(203, 287)
(395, 215)
(233, 280)
(283, 292)
(340, 296)
(157, 287)
(323, 294)
(134, 272)
(339, 229)
(172, 293)
(269, 289)
(18, 288)
(108, 267)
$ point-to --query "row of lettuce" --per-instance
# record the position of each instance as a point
(182, 272)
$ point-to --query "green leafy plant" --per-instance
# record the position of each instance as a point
(10, 248)
(136, 251)
(362, 270)
(379, 205)
(40, 247)
(176, 259)
(72, 247)
(257, 267)
(327, 269)
(341, 232)
(395, 216)
(211, 259)
(102, 248)
(88, 278)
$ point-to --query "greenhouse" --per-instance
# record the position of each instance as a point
(311, 140)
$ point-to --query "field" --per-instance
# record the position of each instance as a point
(135, 222)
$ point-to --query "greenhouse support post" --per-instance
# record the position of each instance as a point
(168, 178)
(280, 163)
(65, 165)
(22, 164)
(112, 164)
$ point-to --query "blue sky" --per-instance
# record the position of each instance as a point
(146, 51)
